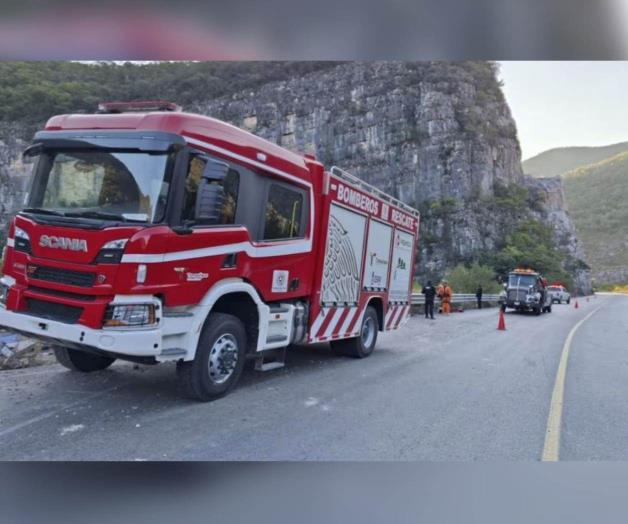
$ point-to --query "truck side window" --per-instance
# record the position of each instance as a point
(231, 186)
(283, 214)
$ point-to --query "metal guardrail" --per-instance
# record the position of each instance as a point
(457, 298)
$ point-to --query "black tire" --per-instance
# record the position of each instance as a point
(568, 300)
(359, 347)
(538, 311)
(549, 308)
(77, 360)
(201, 379)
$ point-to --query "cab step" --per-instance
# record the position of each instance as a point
(270, 359)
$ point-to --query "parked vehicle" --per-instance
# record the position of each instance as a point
(153, 235)
(526, 290)
(559, 294)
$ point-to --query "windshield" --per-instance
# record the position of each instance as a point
(130, 186)
(521, 280)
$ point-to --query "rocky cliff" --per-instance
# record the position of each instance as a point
(439, 136)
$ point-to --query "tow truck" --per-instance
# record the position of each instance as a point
(154, 235)
(526, 290)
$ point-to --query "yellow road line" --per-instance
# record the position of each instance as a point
(551, 448)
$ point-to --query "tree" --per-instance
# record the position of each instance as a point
(466, 279)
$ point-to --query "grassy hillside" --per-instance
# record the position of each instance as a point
(564, 159)
(598, 197)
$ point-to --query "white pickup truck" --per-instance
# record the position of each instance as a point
(559, 294)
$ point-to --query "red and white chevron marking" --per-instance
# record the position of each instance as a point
(344, 322)
(396, 316)
(335, 322)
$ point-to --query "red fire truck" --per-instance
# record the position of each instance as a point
(153, 235)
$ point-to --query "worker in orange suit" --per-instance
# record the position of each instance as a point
(446, 297)
(439, 294)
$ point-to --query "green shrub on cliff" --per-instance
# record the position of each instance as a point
(532, 245)
(466, 279)
(33, 91)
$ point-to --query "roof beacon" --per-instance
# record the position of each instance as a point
(139, 105)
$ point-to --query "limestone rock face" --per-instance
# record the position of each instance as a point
(414, 130)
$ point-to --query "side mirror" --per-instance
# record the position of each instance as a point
(33, 150)
(210, 197)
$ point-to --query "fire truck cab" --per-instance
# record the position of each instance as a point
(154, 235)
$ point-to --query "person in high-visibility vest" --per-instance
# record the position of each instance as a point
(446, 297)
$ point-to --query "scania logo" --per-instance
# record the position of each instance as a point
(70, 244)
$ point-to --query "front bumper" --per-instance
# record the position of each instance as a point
(523, 304)
(134, 343)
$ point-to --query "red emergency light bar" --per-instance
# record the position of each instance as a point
(138, 106)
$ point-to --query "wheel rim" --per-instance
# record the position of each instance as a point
(223, 358)
(368, 332)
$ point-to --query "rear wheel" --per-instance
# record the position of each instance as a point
(364, 344)
(78, 360)
(219, 359)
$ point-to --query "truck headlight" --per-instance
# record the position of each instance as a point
(111, 252)
(21, 240)
(130, 315)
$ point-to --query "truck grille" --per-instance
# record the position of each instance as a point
(63, 276)
(516, 295)
(53, 311)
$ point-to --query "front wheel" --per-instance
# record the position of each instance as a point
(568, 300)
(219, 359)
(77, 360)
(364, 344)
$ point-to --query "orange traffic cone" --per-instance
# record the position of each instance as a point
(501, 325)
(576, 306)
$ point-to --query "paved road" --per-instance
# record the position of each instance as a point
(450, 389)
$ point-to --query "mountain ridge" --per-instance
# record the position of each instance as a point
(596, 195)
(560, 160)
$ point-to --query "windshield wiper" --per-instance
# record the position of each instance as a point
(102, 214)
(96, 214)
(41, 211)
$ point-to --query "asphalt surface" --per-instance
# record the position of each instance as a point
(450, 389)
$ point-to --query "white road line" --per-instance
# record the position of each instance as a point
(551, 448)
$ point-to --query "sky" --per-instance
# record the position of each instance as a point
(560, 104)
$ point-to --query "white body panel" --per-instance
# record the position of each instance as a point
(343, 256)
(401, 267)
(377, 256)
